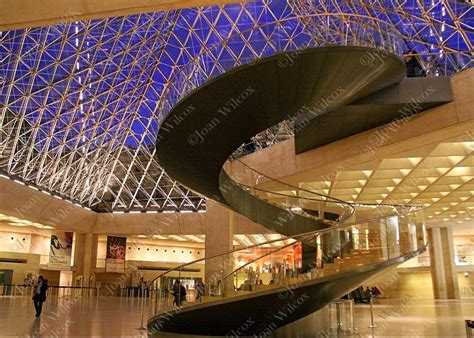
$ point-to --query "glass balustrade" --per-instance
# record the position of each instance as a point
(290, 261)
(290, 198)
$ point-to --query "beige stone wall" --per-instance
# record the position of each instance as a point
(19, 269)
(417, 283)
(466, 283)
(20, 201)
(25, 203)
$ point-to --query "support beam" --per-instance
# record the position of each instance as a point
(443, 273)
(85, 257)
(219, 239)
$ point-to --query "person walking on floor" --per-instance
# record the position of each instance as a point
(176, 293)
(39, 296)
(179, 293)
(182, 294)
(199, 291)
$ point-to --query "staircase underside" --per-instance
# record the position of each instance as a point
(272, 94)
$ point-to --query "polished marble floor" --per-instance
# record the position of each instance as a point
(120, 317)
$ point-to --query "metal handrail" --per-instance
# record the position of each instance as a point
(297, 188)
(329, 199)
(355, 204)
(294, 237)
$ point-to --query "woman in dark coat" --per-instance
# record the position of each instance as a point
(176, 293)
(39, 296)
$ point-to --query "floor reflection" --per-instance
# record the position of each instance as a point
(121, 317)
(35, 329)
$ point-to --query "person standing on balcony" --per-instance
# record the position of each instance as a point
(414, 68)
(39, 296)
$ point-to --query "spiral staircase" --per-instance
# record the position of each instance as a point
(214, 116)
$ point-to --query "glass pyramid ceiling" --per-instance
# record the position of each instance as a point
(81, 102)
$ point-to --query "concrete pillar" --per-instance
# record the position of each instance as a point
(85, 257)
(443, 269)
(452, 286)
(392, 227)
(327, 247)
(420, 229)
(436, 260)
(337, 243)
(308, 256)
(219, 239)
(407, 244)
(377, 238)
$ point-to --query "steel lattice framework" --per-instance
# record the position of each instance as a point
(81, 102)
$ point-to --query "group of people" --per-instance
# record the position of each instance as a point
(247, 285)
(179, 292)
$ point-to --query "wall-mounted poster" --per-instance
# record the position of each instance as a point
(115, 259)
(60, 250)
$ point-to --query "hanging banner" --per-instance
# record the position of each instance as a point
(60, 251)
(115, 259)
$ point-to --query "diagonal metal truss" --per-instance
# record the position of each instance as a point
(81, 102)
(440, 31)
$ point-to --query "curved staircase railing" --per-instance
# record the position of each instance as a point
(311, 204)
(297, 200)
(339, 249)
